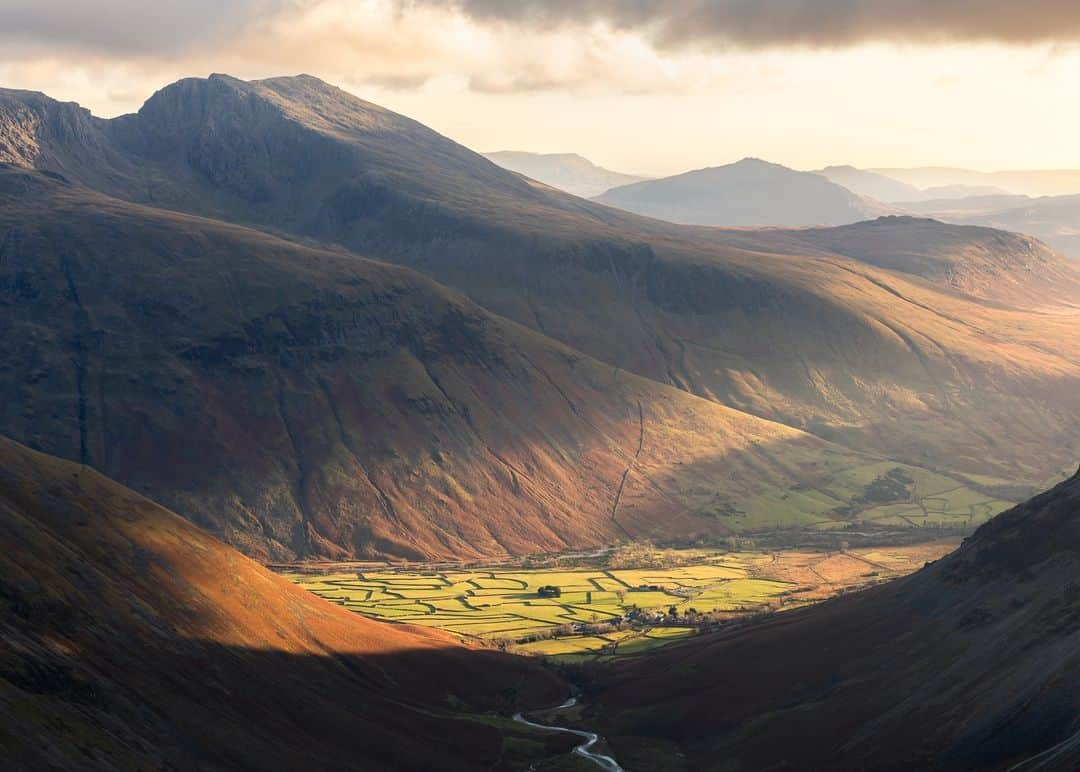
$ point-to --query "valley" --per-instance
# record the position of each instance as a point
(619, 602)
(327, 442)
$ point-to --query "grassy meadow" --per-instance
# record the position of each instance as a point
(612, 609)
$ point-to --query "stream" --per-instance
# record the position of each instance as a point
(606, 763)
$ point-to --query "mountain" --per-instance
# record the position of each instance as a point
(303, 402)
(874, 359)
(748, 193)
(882, 188)
(972, 663)
(565, 171)
(870, 184)
(978, 262)
(962, 191)
(1035, 182)
(132, 640)
(1054, 219)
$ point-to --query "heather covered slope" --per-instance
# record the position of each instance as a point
(303, 402)
(877, 359)
(973, 663)
(132, 640)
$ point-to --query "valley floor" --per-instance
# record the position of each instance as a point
(613, 603)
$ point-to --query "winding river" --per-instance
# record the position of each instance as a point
(607, 763)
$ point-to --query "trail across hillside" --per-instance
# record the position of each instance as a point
(606, 763)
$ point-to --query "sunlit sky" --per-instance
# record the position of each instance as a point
(635, 85)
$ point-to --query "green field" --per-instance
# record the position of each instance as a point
(606, 611)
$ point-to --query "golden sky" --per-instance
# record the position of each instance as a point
(637, 85)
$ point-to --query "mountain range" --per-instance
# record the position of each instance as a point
(271, 318)
(354, 374)
(893, 191)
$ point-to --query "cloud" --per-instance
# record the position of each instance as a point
(808, 23)
(147, 28)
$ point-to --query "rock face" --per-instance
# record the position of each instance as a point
(132, 640)
(877, 358)
(973, 663)
(303, 402)
(748, 193)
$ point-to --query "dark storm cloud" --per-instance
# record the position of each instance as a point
(128, 27)
(763, 23)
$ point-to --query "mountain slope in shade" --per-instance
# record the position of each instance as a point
(302, 402)
(566, 171)
(793, 333)
(748, 193)
(973, 663)
(132, 640)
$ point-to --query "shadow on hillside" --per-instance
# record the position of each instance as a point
(200, 705)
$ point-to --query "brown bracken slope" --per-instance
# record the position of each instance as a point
(972, 663)
(131, 640)
(300, 402)
(837, 336)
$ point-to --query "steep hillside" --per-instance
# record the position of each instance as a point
(301, 402)
(876, 359)
(566, 171)
(132, 640)
(750, 192)
(973, 663)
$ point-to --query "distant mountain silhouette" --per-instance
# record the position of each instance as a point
(566, 171)
(748, 193)
(871, 184)
(1034, 182)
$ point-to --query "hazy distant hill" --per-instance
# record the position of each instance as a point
(1054, 219)
(971, 664)
(565, 171)
(961, 191)
(873, 358)
(132, 640)
(747, 193)
(883, 188)
(1046, 182)
(870, 184)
